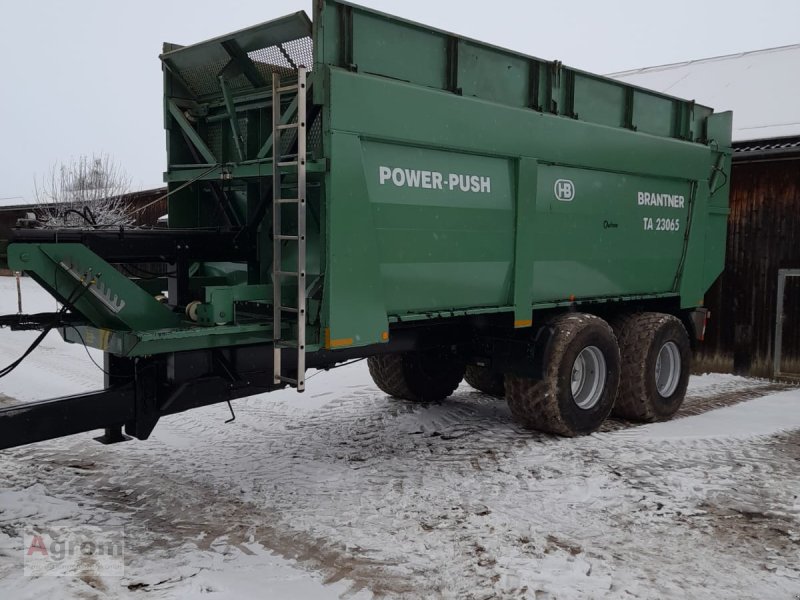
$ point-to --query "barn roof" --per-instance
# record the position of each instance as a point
(762, 89)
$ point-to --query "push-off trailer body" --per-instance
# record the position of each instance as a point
(368, 187)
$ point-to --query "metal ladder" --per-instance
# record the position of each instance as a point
(281, 166)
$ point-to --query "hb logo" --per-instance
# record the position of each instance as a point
(564, 190)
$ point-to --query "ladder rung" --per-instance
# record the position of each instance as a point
(287, 126)
(290, 309)
(291, 163)
(287, 345)
(287, 237)
(288, 380)
(287, 200)
(288, 88)
(286, 273)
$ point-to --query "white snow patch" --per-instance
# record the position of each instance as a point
(55, 368)
(17, 505)
(769, 415)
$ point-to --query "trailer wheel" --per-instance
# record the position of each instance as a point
(581, 375)
(417, 376)
(486, 381)
(656, 362)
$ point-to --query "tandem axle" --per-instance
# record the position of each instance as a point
(139, 391)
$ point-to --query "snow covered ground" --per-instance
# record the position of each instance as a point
(344, 492)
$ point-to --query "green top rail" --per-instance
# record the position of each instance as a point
(360, 39)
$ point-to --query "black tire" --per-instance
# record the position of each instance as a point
(641, 338)
(549, 404)
(486, 381)
(416, 376)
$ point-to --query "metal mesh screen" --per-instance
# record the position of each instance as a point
(203, 82)
(214, 136)
(284, 59)
(314, 139)
(301, 52)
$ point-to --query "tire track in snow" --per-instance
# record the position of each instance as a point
(449, 500)
(452, 441)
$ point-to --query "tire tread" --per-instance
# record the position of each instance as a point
(486, 381)
(534, 404)
(635, 334)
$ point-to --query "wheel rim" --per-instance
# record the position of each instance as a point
(668, 369)
(588, 377)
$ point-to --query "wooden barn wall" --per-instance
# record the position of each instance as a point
(763, 236)
(149, 206)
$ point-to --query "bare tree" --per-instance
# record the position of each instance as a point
(87, 192)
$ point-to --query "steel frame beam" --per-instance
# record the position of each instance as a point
(240, 58)
(159, 245)
(231, 107)
(191, 133)
(142, 390)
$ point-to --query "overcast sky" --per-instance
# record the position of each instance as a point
(83, 76)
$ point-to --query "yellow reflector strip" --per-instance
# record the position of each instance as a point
(526, 323)
(340, 343)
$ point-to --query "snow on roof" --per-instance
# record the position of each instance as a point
(12, 201)
(761, 88)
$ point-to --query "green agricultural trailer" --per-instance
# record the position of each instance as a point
(361, 186)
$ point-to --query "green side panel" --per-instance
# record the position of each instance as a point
(599, 101)
(525, 238)
(719, 127)
(74, 275)
(353, 305)
(692, 283)
(400, 50)
(622, 230)
(701, 114)
(653, 114)
(443, 226)
(487, 73)
(604, 234)
(421, 116)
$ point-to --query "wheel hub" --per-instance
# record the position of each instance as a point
(668, 369)
(588, 377)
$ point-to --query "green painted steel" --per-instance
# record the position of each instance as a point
(498, 180)
(446, 177)
(77, 277)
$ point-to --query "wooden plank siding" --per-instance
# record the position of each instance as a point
(763, 237)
